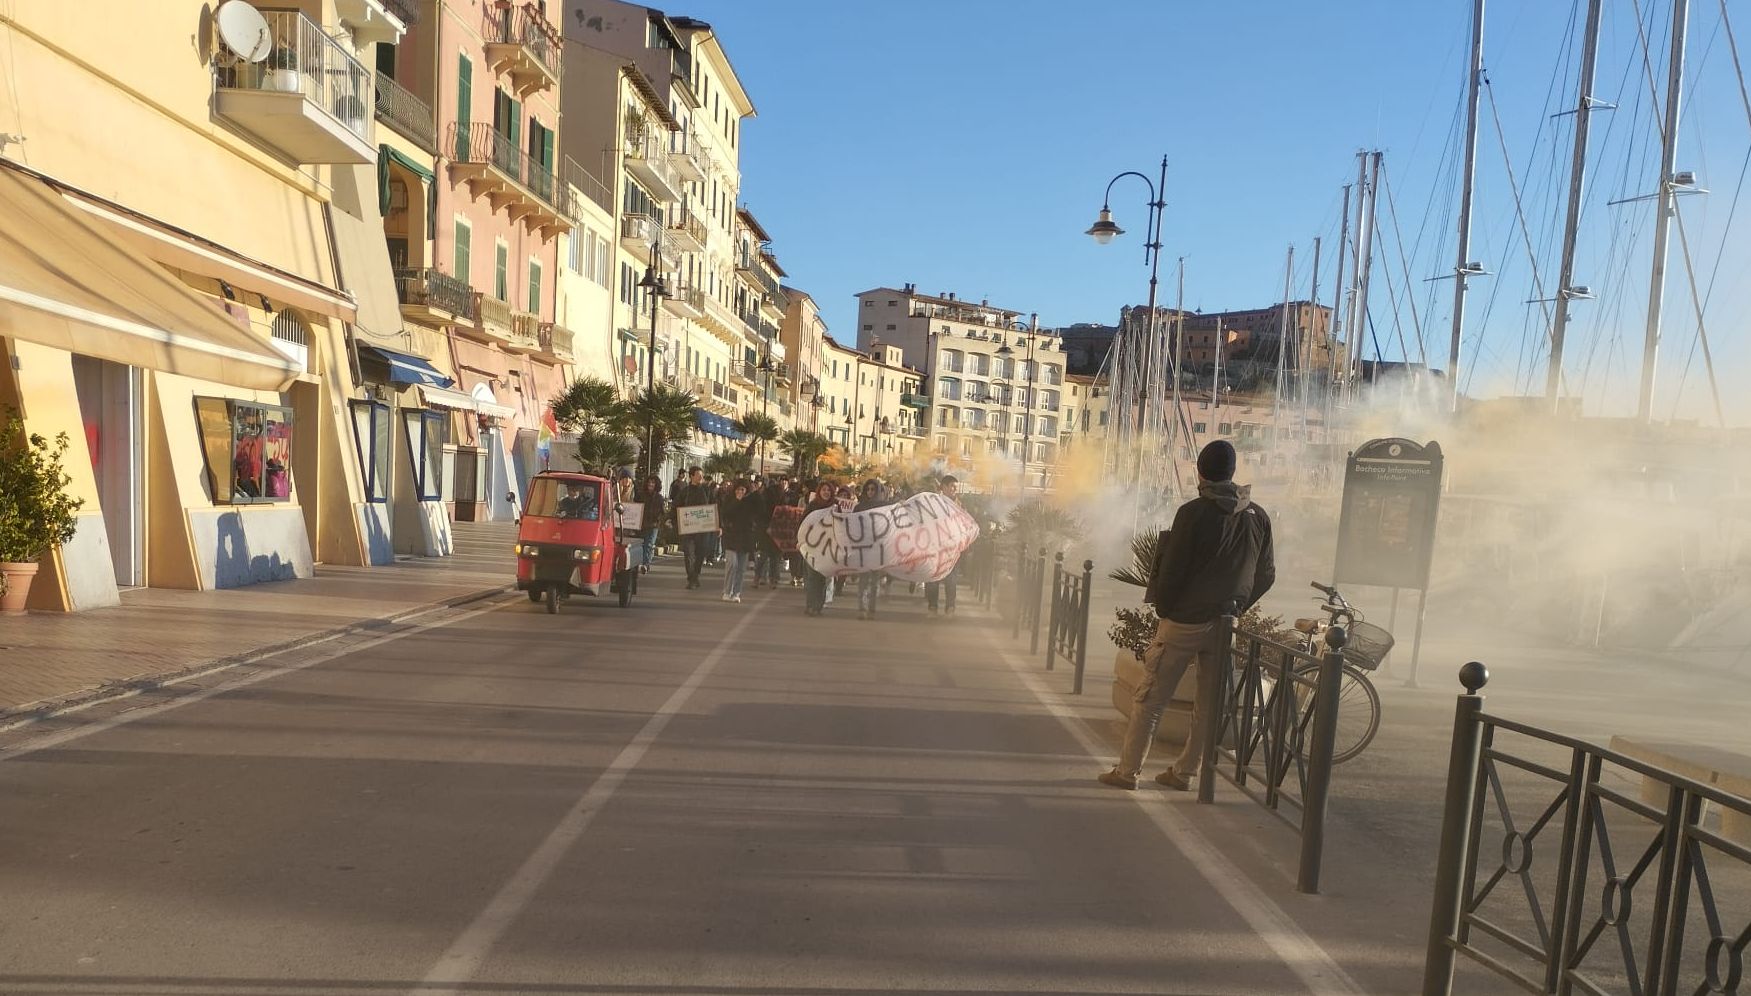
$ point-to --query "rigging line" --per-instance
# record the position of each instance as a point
(1519, 213)
(1397, 326)
(1738, 68)
(1404, 265)
(1701, 330)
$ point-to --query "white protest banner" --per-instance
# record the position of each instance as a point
(690, 519)
(632, 516)
(919, 539)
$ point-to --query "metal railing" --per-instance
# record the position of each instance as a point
(1067, 632)
(1576, 934)
(648, 150)
(1276, 717)
(405, 11)
(686, 221)
(398, 108)
(978, 568)
(1030, 586)
(305, 60)
(479, 142)
(524, 25)
(579, 176)
(429, 288)
(640, 228)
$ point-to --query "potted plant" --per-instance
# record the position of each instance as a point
(349, 108)
(282, 70)
(36, 513)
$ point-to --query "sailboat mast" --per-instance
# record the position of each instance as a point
(1572, 222)
(1216, 384)
(1365, 257)
(1663, 219)
(1283, 340)
(1461, 267)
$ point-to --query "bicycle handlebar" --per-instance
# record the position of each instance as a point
(1330, 592)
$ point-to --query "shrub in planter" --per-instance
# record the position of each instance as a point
(281, 68)
(349, 108)
(1136, 627)
(36, 513)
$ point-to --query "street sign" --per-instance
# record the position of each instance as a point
(1386, 534)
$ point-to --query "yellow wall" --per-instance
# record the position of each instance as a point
(38, 381)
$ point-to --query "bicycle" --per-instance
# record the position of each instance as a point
(1365, 649)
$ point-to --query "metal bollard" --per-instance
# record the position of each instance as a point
(1033, 646)
(1212, 691)
(1462, 774)
(1319, 754)
(1082, 626)
(1054, 620)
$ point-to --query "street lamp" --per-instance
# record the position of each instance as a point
(656, 288)
(1031, 332)
(1103, 231)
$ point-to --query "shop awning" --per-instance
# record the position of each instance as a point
(437, 397)
(715, 424)
(66, 284)
(405, 368)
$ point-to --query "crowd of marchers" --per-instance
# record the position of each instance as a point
(756, 533)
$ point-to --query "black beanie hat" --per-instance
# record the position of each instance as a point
(1216, 462)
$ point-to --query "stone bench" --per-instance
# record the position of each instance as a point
(1724, 769)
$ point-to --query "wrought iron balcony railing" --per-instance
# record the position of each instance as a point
(398, 108)
(429, 288)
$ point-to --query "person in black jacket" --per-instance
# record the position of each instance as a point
(695, 547)
(1217, 555)
(654, 507)
(869, 583)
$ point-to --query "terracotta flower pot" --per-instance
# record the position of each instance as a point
(18, 578)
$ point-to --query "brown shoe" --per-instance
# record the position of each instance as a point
(1173, 780)
(1117, 780)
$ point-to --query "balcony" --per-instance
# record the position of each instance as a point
(914, 431)
(685, 158)
(492, 320)
(917, 401)
(525, 334)
(431, 297)
(556, 342)
(511, 181)
(686, 232)
(777, 303)
(309, 101)
(638, 233)
(647, 159)
(398, 108)
(373, 22)
(578, 176)
(521, 44)
(745, 372)
(685, 301)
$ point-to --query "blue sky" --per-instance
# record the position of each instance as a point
(964, 145)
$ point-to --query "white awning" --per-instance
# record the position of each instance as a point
(437, 397)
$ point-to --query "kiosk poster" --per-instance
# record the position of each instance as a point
(917, 540)
(1386, 533)
(690, 519)
(261, 448)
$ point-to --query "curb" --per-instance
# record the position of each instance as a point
(21, 716)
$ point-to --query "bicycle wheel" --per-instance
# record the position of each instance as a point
(1358, 712)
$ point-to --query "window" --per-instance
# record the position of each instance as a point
(869, 304)
(892, 327)
(501, 263)
(464, 235)
(426, 432)
(371, 446)
(892, 303)
(626, 283)
(534, 286)
(602, 257)
(949, 389)
(552, 497)
(574, 250)
(1198, 427)
(869, 328)
(1222, 428)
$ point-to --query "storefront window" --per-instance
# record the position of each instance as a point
(426, 432)
(248, 447)
(371, 444)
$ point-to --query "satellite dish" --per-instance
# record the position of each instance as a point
(244, 31)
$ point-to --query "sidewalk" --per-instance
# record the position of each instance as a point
(49, 658)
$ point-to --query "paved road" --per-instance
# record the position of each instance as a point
(684, 797)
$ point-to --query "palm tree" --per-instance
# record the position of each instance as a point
(590, 408)
(761, 429)
(729, 463)
(805, 449)
(661, 416)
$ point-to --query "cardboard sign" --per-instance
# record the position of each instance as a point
(632, 516)
(786, 520)
(919, 539)
(691, 519)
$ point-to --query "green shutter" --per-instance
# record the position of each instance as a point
(547, 148)
(534, 287)
(463, 236)
(500, 262)
(464, 104)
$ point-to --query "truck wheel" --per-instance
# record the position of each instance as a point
(626, 586)
(535, 594)
(552, 599)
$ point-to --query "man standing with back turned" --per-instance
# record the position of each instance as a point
(1218, 552)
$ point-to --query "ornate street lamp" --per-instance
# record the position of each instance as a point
(1104, 231)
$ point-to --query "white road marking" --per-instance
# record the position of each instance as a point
(457, 967)
(1279, 932)
(54, 740)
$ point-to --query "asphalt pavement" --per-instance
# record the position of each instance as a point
(683, 797)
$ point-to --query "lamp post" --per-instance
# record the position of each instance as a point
(1104, 230)
(1032, 333)
(656, 289)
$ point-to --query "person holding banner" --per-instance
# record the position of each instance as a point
(869, 584)
(695, 546)
(817, 589)
(949, 488)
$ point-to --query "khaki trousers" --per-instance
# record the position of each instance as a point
(1175, 648)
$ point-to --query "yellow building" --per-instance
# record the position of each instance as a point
(179, 292)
